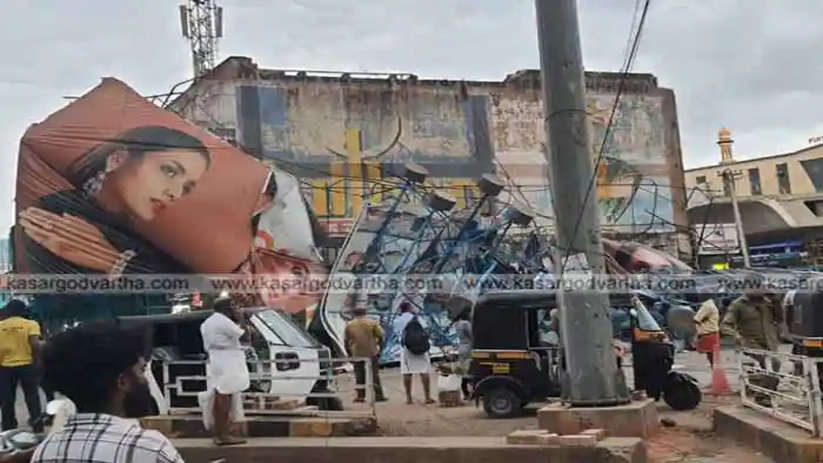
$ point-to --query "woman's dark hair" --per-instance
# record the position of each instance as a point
(136, 142)
(405, 306)
(83, 363)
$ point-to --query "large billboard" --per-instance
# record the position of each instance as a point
(112, 184)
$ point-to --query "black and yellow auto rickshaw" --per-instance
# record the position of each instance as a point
(804, 320)
(512, 366)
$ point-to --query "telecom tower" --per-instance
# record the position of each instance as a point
(202, 23)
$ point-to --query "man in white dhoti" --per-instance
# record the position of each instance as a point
(411, 363)
(227, 372)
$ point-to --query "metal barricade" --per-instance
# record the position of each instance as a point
(260, 371)
(793, 397)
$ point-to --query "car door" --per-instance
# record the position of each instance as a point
(294, 354)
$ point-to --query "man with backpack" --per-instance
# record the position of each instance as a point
(414, 355)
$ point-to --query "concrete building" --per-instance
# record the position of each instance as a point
(336, 130)
(780, 197)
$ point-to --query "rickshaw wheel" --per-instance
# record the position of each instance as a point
(501, 403)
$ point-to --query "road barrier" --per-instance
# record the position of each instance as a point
(793, 397)
(188, 385)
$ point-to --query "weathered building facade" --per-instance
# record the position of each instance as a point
(780, 199)
(335, 130)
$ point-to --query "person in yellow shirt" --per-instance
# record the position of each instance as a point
(19, 352)
(707, 320)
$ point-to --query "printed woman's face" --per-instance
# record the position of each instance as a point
(147, 185)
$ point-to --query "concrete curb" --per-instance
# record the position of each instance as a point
(410, 450)
(191, 426)
(780, 441)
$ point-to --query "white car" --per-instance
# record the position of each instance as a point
(177, 351)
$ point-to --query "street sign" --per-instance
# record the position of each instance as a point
(718, 238)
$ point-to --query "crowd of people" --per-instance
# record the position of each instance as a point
(100, 368)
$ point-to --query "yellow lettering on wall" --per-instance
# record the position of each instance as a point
(355, 186)
(338, 188)
(372, 174)
(320, 200)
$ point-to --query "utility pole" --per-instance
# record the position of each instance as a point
(593, 376)
(729, 176)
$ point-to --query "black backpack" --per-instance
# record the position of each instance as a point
(415, 338)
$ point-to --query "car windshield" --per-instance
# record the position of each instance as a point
(286, 329)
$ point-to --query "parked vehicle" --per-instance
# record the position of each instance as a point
(804, 320)
(274, 336)
(512, 367)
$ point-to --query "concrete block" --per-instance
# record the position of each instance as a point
(599, 434)
(548, 439)
(526, 437)
(318, 427)
(636, 419)
(578, 440)
(776, 439)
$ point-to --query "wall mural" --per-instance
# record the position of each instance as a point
(307, 130)
(633, 190)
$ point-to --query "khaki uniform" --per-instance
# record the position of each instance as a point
(755, 322)
(363, 338)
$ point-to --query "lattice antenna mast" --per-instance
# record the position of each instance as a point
(201, 22)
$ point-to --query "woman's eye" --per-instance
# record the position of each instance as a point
(170, 171)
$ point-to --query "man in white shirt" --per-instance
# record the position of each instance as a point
(227, 371)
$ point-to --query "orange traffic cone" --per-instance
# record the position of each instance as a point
(720, 384)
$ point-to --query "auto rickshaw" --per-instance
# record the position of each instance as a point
(804, 320)
(511, 366)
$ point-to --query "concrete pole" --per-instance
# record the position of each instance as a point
(593, 377)
(741, 235)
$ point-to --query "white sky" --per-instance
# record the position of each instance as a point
(748, 64)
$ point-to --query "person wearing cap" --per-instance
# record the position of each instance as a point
(19, 354)
(753, 319)
(227, 372)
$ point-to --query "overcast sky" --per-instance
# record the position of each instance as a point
(750, 65)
